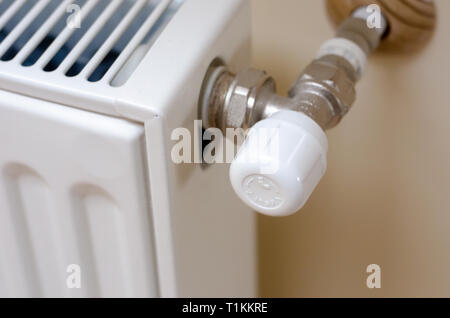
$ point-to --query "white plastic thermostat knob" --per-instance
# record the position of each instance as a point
(280, 163)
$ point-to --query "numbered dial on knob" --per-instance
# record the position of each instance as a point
(280, 163)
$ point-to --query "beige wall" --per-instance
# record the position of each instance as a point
(386, 196)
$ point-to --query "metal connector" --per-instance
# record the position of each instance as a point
(325, 91)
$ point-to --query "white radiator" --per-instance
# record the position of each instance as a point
(89, 94)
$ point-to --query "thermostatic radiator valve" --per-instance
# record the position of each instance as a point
(284, 155)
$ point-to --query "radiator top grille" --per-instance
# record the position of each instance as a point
(96, 40)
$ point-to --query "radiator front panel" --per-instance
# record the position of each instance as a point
(72, 193)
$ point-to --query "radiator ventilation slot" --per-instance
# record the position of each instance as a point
(97, 40)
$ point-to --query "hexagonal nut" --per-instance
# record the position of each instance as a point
(332, 78)
(242, 98)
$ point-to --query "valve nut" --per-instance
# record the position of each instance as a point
(242, 98)
(331, 85)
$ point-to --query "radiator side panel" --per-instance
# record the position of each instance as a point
(205, 236)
